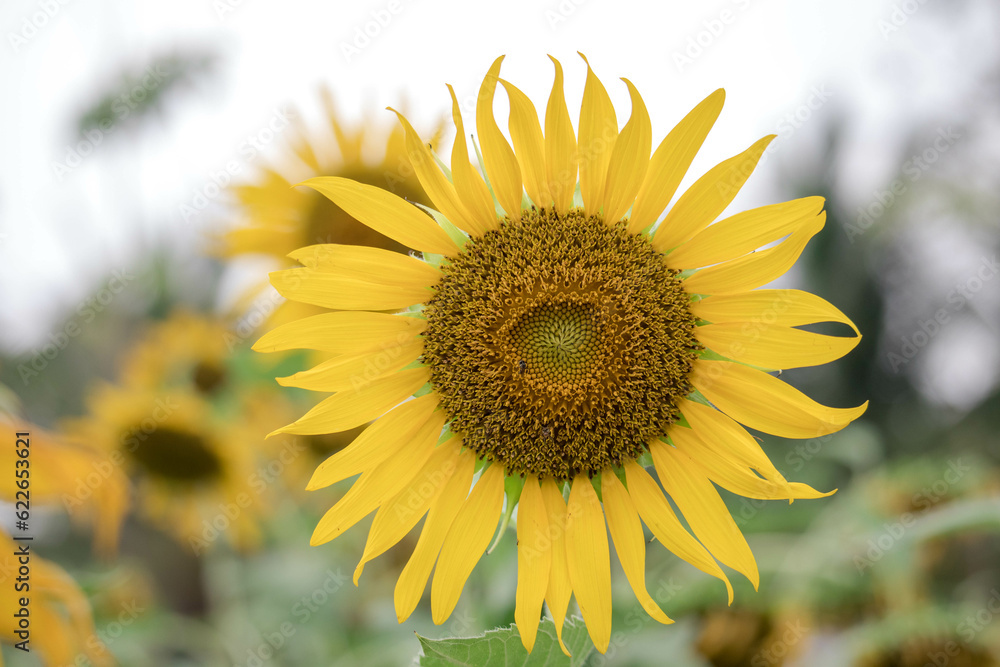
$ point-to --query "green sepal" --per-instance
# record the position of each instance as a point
(512, 486)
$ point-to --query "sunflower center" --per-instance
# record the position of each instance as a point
(175, 455)
(208, 377)
(559, 344)
(556, 341)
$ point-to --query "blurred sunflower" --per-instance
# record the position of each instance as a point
(550, 338)
(275, 218)
(175, 422)
(80, 479)
(61, 623)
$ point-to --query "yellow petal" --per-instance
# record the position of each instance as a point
(348, 145)
(498, 157)
(466, 542)
(468, 183)
(253, 240)
(365, 263)
(704, 509)
(767, 404)
(630, 545)
(671, 161)
(352, 371)
(534, 560)
(379, 484)
(560, 146)
(413, 578)
(629, 160)
(707, 198)
(300, 142)
(341, 292)
(343, 333)
(400, 514)
(349, 409)
(377, 442)
(385, 213)
(759, 268)
(589, 561)
(782, 307)
(529, 148)
(433, 181)
(773, 347)
(656, 513)
(744, 232)
(725, 437)
(598, 131)
(559, 590)
(722, 466)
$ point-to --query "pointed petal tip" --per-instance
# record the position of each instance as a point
(562, 645)
(526, 641)
(307, 183)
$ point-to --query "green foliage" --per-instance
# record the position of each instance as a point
(135, 94)
(502, 648)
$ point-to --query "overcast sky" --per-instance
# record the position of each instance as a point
(63, 232)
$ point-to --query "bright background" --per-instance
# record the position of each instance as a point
(855, 90)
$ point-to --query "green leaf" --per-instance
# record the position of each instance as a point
(502, 648)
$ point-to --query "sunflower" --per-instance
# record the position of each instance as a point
(61, 624)
(63, 473)
(550, 340)
(176, 425)
(275, 218)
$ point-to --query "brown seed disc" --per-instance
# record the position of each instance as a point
(559, 344)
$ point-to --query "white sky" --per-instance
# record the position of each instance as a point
(58, 238)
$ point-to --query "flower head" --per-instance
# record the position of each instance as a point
(61, 626)
(175, 424)
(557, 328)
